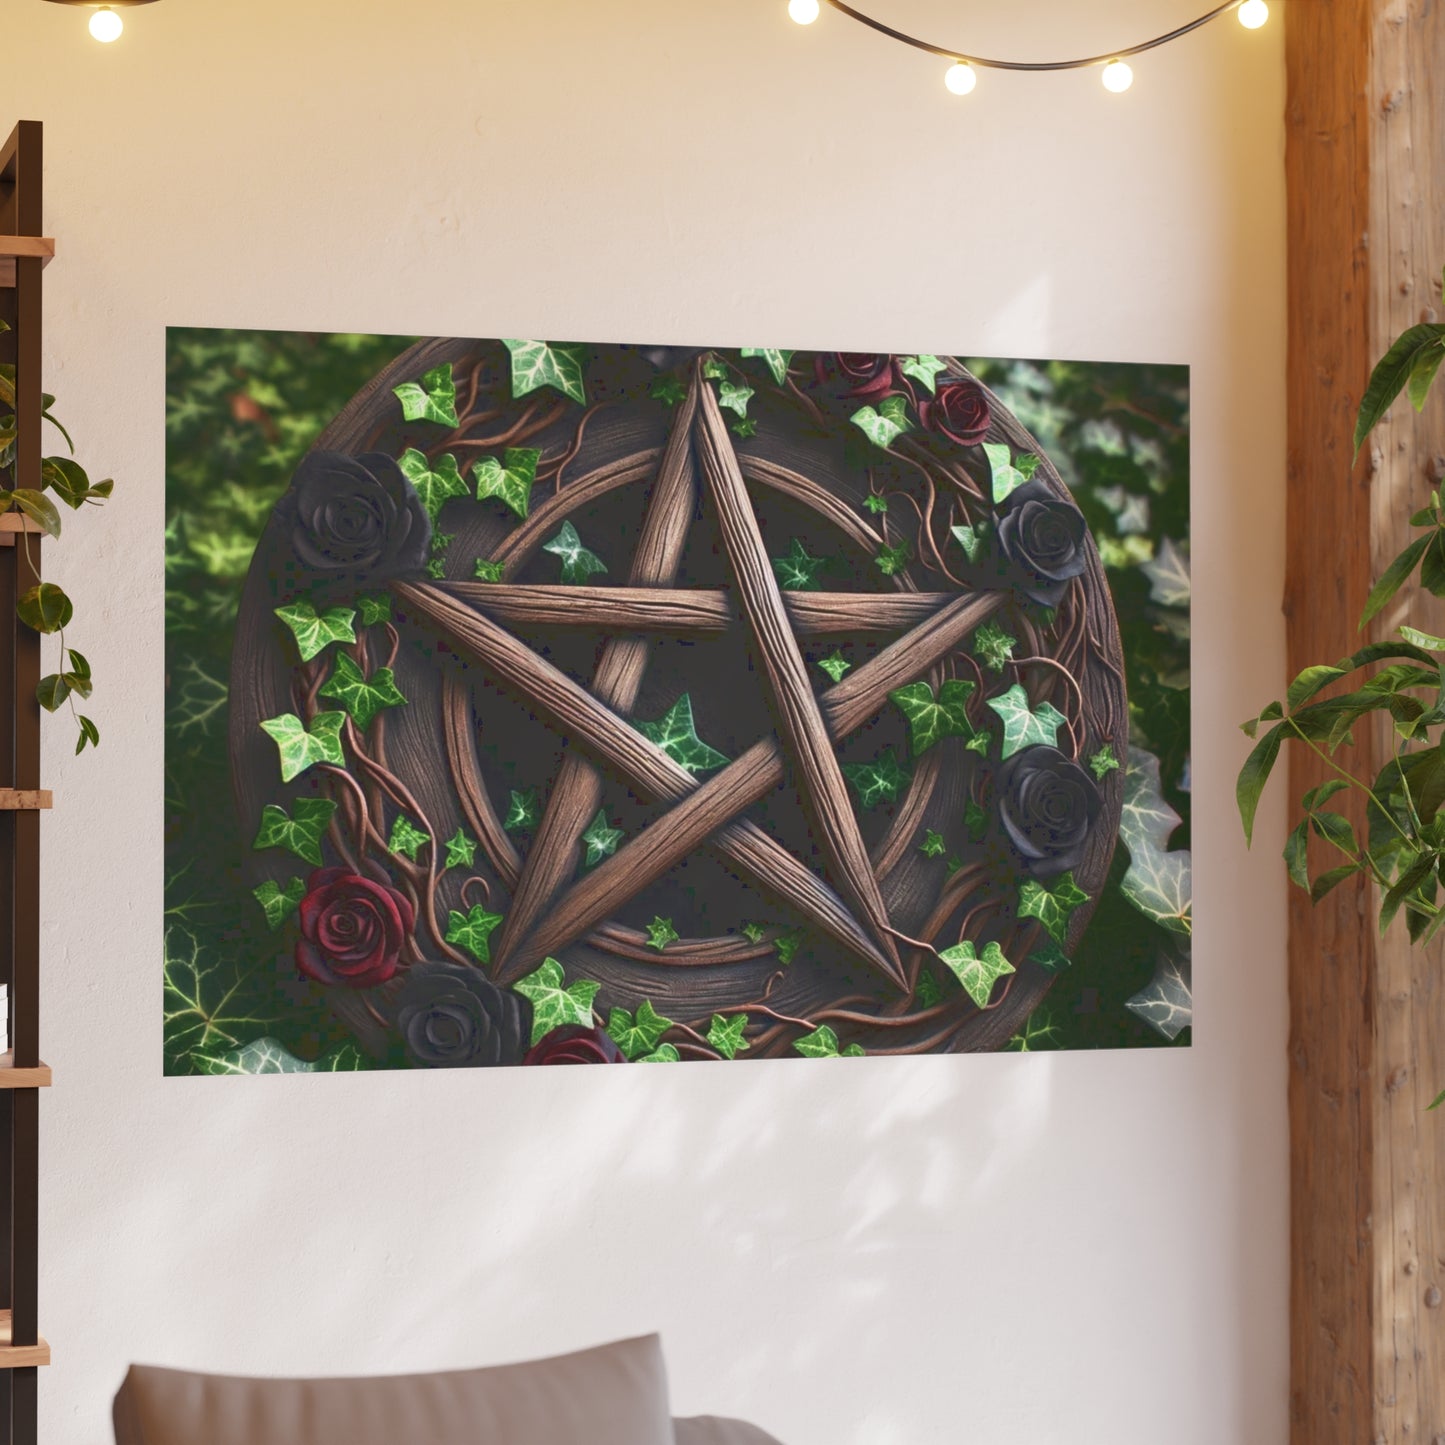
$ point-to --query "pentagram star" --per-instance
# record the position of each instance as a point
(482, 620)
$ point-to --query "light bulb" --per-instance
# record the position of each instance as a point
(1253, 14)
(803, 11)
(1118, 77)
(960, 77)
(106, 25)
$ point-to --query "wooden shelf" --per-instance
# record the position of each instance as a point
(13, 1078)
(25, 800)
(12, 524)
(20, 1357)
(13, 248)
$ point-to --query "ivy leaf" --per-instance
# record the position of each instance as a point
(1168, 574)
(315, 632)
(676, 734)
(461, 850)
(374, 607)
(660, 933)
(777, 361)
(1051, 906)
(578, 564)
(1023, 727)
(486, 571)
(433, 398)
(363, 699)
(1028, 464)
(510, 480)
(932, 845)
(600, 840)
(885, 423)
(1147, 820)
(788, 945)
(747, 428)
(735, 396)
(1007, 478)
(668, 390)
(666, 1054)
(406, 838)
(876, 504)
(280, 903)
(1161, 886)
(726, 1035)
(436, 487)
(931, 718)
(555, 1003)
(835, 666)
(993, 646)
(271, 1056)
(973, 539)
(1166, 1004)
(977, 972)
(472, 930)
(300, 831)
(975, 820)
(536, 364)
(879, 781)
(1104, 762)
(929, 993)
(754, 932)
(798, 572)
(924, 369)
(822, 1043)
(1050, 957)
(637, 1034)
(1037, 1033)
(715, 369)
(890, 561)
(300, 749)
(524, 811)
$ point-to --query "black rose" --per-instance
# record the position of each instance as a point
(356, 519)
(1041, 537)
(1047, 804)
(451, 1017)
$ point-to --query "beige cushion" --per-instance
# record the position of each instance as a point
(613, 1395)
(708, 1430)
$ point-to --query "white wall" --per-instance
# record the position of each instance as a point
(1041, 1250)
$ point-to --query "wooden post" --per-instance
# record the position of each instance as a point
(1365, 159)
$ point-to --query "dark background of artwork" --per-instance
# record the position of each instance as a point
(242, 407)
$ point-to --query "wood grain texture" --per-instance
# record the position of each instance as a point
(1365, 122)
(825, 789)
(24, 800)
(11, 1077)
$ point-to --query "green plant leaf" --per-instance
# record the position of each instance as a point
(555, 1003)
(885, 423)
(932, 718)
(435, 485)
(878, 781)
(676, 734)
(1023, 726)
(433, 398)
(777, 361)
(668, 390)
(1254, 775)
(786, 947)
(822, 1043)
(1050, 957)
(279, 903)
(578, 564)
(715, 369)
(665, 1054)
(890, 561)
(1424, 640)
(486, 571)
(599, 840)
(536, 364)
(798, 572)
(301, 749)
(932, 845)
(924, 369)
(363, 698)
(67, 479)
(745, 428)
(461, 850)
(471, 931)
(1422, 376)
(1103, 762)
(660, 933)
(374, 607)
(640, 1033)
(975, 820)
(977, 972)
(1167, 1003)
(270, 1056)
(315, 632)
(1007, 478)
(735, 396)
(1391, 375)
(45, 608)
(726, 1035)
(1160, 885)
(754, 932)
(1395, 576)
(993, 646)
(51, 692)
(407, 840)
(1053, 906)
(835, 666)
(1168, 574)
(876, 504)
(1147, 820)
(973, 540)
(298, 832)
(510, 481)
(524, 811)
(35, 505)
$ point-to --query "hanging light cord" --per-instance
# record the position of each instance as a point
(982, 63)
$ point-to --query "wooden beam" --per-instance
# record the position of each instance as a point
(1365, 162)
(13, 247)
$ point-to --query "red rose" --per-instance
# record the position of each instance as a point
(870, 375)
(574, 1044)
(352, 929)
(959, 411)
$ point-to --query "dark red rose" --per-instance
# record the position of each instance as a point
(959, 412)
(869, 375)
(574, 1044)
(352, 929)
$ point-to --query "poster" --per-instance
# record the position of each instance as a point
(535, 702)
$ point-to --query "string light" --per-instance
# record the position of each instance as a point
(960, 77)
(962, 74)
(106, 25)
